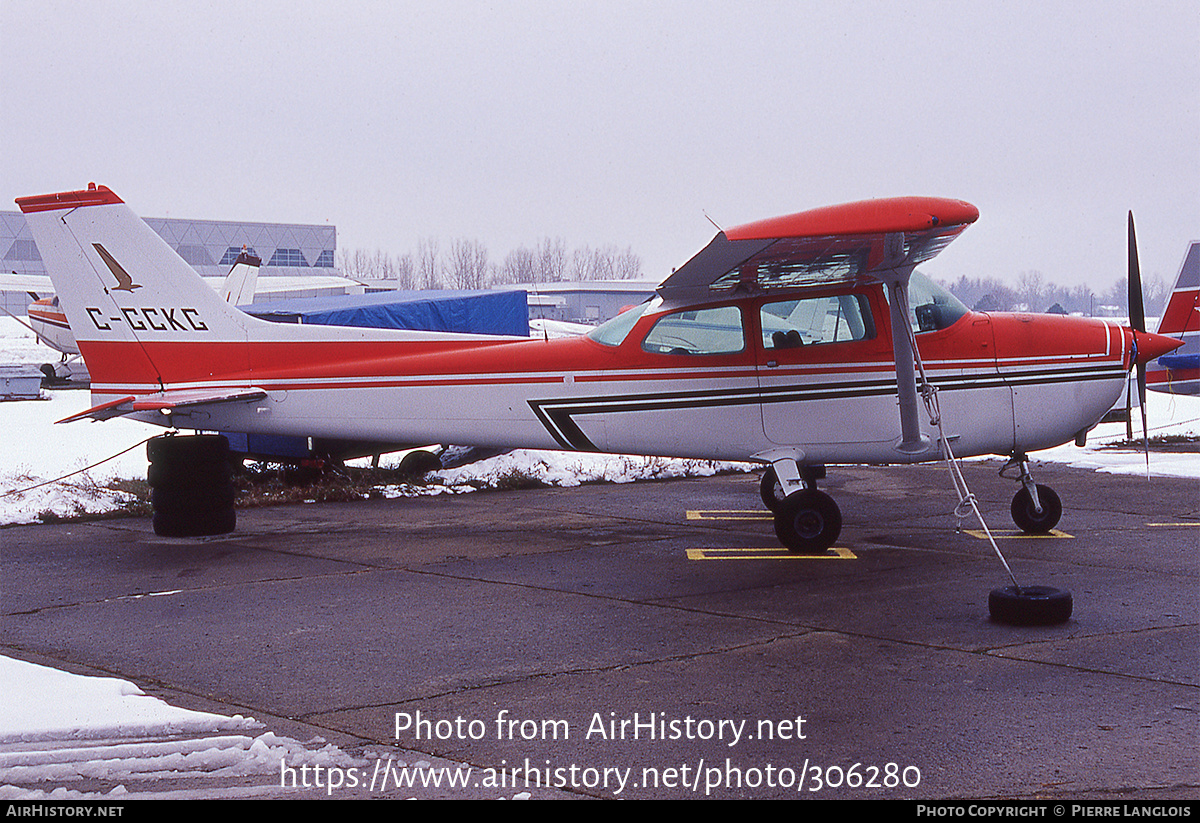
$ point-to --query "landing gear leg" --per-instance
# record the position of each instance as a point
(807, 521)
(1036, 509)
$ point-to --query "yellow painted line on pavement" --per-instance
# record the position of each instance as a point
(775, 553)
(728, 514)
(1020, 535)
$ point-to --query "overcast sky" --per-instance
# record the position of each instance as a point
(622, 123)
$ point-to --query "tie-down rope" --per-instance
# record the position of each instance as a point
(966, 499)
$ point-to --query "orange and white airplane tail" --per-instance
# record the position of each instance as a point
(1179, 371)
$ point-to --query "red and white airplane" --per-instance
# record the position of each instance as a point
(797, 342)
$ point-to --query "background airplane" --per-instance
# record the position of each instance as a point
(1179, 371)
(49, 322)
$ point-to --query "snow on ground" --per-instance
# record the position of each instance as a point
(60, 729)
(1168, 416)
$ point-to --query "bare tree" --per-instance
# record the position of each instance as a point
(467, 267)
(520, 266)
(404, 272)
(627, 265)
(428, 276)
(551, 264)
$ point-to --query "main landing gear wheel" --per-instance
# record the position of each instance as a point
(808, 522)
(1026, 516)
(1030, 605)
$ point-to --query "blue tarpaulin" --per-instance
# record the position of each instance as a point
(464, 312)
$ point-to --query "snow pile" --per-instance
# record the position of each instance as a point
(57, 727)
(550, 468)
(49, 704)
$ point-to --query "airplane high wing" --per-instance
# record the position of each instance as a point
(789, 341)
(874, 240)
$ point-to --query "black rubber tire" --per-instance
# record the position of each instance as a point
(1031, 606)
(181, 475)
(808, 522)
(772, 493)
(194, 449)
(195, 524)
(770, 490)
(419, 463)
(191, 485)
(175, 501)
(1030, 521)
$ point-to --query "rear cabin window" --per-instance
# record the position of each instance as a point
(697, 331)
(789, 324)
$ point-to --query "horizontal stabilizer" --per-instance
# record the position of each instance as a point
(167, 401)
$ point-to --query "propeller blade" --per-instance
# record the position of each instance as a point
(1137, 312)
(1137, 319)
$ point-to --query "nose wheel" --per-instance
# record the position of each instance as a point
(1036, 509)
(1026, 514)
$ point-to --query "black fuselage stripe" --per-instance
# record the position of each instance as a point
(557, 414)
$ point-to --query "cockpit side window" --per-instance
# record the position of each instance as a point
(716, 330)
(790, 324)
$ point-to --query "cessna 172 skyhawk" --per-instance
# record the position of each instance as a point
(789, 341)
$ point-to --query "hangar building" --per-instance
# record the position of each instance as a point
(210, 246)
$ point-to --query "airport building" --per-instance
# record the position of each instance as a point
(583, 301)
(210, 246)
(305, 255)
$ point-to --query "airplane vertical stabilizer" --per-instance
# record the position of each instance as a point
(1179, 371)
(132, 302)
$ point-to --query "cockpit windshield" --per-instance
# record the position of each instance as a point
(930, 306)
(614, 332)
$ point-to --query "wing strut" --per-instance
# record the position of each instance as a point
(912, 441)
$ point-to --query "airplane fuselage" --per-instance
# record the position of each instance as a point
(1006, 382)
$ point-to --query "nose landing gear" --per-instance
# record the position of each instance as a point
(1036, 509)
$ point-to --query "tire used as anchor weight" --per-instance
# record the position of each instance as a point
(808, 522)
(191, 485)
(1030, 605)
